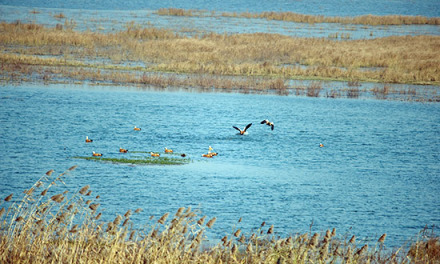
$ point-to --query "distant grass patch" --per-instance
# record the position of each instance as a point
(141, 161)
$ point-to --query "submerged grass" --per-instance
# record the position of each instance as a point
(52, 224)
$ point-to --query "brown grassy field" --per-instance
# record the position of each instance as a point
(244, 62)
(303, 18)
(52, 223)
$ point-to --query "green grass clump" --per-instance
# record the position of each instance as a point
(141, 161)
(50, 224)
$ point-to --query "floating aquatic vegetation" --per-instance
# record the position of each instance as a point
(140, 161)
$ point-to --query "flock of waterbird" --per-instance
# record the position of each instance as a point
(210, 153)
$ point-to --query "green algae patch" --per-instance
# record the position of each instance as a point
(140, 161)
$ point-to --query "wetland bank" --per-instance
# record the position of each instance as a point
(268, 197)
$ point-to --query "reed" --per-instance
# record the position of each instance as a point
(393, 59)
(36, 228)
(311, 19)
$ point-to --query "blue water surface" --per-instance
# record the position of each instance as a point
(378, 171)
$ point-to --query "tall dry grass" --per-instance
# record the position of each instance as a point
(51, 223)
(373, 20)
(393, 59)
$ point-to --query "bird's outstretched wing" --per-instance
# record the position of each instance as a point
(272, 126)
(248, 126)
(237, 128)
(264, 121)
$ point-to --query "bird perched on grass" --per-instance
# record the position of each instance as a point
(123, 150)
(96, 154)
(242, 132)
(168, 150)
(154, 154)
(267, 122)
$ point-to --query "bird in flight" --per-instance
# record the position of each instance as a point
(244, 130)
(267, 122)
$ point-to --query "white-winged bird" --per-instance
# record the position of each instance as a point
(244, 130)
(267, 122)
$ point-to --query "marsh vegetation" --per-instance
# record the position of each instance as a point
(51, 222)
(247, 62)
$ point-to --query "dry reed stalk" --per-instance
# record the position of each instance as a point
(84, 189)
(163, 218)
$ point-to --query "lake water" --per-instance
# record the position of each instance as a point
(378, 171)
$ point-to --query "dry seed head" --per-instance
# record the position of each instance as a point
(40, 222)
(239, 220)
(97, 197)
(65, 192)
(126, 222)
(314, 240)
(185, 229)
(211, 222)
(237, 233)
(234, 249)
(19, 219)
(242, 239)
(127, 214)
(57, 198)
(43, 193)
(352, 239)
(327, 234)
(7, 199)
(48, 173)
(333, 232)
(84, 189)
(88, 202)
(163, 218)
(362, 250)
(74, 229)
(98, 216)
(88, 193)
(270, 231)
(224, 239)
(201, 220)
(72, 168)
(117, 220)
(132, 235)
(94, 206)
(180, 211)
(382, 238)
(263, 224)
(2, 211)
(39, 184)
(138, 210)
(70, 207)
(249, 248)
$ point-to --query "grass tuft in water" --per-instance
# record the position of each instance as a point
(140, 161)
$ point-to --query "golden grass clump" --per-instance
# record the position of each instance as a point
(66, 229)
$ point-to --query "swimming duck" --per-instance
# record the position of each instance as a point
(123, 150)
(168, 150)
(244, 130)
(96, 154)
(88, 140)
(267, 122)
(209, 155)
(137, 128)
(321, 145)
(154, 154)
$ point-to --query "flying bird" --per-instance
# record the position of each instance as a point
(244, 130)
(267, 122)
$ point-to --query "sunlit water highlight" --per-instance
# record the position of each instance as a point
(378, 171)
